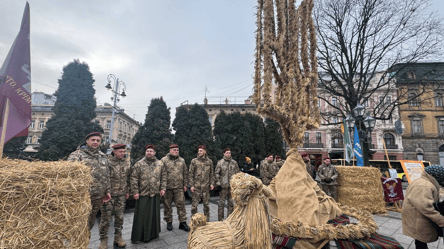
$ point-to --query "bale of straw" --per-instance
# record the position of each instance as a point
(44, 204)
(361, 188)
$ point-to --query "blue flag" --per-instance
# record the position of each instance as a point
(358, 150)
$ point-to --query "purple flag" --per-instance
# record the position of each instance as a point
(15, 83)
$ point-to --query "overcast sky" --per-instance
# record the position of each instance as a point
(169, 48)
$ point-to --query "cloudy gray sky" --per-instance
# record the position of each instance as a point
(169, 48)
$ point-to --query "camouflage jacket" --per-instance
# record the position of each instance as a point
(119, 170)
(328, 174)
(98, 162)
(148, 177)
(201, 173)
(268, 171)
(225, 169)
(280, 163)
(311, 170)
(176, 170)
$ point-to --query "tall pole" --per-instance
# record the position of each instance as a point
(114, 111)
(5, 124)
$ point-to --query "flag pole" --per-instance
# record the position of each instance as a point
(5, 124)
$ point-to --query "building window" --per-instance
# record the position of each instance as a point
(318, 138)
(416, 126)
(334, 101)
(41, 125)
(306, 137)
(441, 126)
(32, 124)
(413, 99)
(29, 140)
(319, 103)
(108, 124)
(438, 100)
(389, 140)
(336, 140)
(366, 103)
(390, 157)
(38, 139)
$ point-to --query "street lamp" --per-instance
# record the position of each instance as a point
(118, 91)
(364, 125)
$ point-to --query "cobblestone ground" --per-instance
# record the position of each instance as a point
(388, 225)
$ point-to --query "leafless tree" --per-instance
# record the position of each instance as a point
(361, 41)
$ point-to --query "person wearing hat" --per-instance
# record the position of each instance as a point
(225, 169)
(249, 167)
(90, 154)
(269, 169)
(201, 180)
(177, 178)
(148, 184)
(420, 220)
(310, 168)
(279, 161)
(119, 167)
(328, 174)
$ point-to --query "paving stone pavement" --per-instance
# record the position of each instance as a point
(177, 239)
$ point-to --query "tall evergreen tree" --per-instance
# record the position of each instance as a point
(155, 130)
(182, 128)
(273, 138)
(74, 111)
(258, 137)
(14, 147)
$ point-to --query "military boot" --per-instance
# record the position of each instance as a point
(170, 226)
(184, 226)
(103, 243)
(118, 240)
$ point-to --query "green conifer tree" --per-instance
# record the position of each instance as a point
(273, 138)
(74, 111)
(155, 130)
(14, 147)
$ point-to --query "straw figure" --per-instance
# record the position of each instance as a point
(286, 65)
(248, 226)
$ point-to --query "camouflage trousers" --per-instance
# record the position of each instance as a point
(330, 190)
(118, 204)
(225, 193)
(96, 202)
(178, 197)
(204, 195)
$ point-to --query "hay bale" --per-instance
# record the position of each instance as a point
(44, 204)
(361, 188)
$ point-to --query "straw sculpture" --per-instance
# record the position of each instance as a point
(360, 187)
(248, 226)
(44, 204)
(286, 65)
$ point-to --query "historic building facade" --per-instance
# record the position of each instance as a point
(422, 87)
(124, 127)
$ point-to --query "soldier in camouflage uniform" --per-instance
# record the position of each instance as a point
(310, 168)
(119, 167)
(90, 154)
(201, 180)
(147, 181)
(328, 175)
(225, 169)
(279, 162)
(177, 177)
(269, 170)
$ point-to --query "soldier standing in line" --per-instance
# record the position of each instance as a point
(225, 169)
(177, 177)
(119, 168)
(147, 181)
(90, 154)
(268, 170)
(279, 162)
(201, 180)
(328, 175)
(310, 168)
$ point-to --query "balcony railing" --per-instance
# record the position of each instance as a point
(335, 145)
(313, 145)
(391, 146)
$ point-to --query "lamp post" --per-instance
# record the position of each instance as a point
(118, 86)
(364, 125)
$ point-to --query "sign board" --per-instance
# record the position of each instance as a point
(412, 169)
(392, 189)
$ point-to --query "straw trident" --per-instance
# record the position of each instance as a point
(286, 61)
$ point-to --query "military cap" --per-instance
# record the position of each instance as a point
(326, 158)
(150, 146)
(119, 146)
(269, 155)
(174, 146)
(304, 154)
(278, 157)
(202, 147)
(93, 134)
(226, 149)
